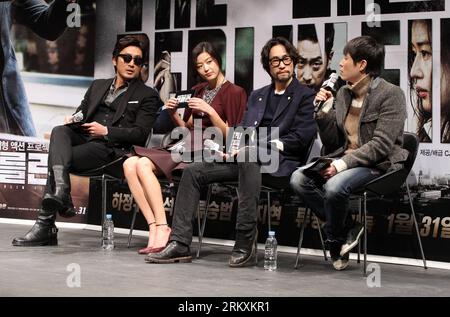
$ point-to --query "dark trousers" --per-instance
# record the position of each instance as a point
(197, 175)
(76, 152)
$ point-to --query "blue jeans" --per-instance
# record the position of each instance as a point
(330, 202)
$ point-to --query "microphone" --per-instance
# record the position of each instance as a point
(329, 85)
(77, 117)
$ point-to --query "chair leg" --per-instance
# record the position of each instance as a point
(359, 243)
(173, 193)
(133, 219)
(256, 249)
(300, 238)
(417, 227)
(321, 238)
(104, 193)
(202, 222)
(365, 234)
(268, 211)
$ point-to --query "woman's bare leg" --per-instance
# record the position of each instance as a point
(130, 171)
(152, 189)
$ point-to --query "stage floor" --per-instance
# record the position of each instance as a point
(46, 271)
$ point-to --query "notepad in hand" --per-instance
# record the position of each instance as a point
(313, 171)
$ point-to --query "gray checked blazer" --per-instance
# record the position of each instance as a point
(381, 126)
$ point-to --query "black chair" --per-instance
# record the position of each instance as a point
(311, 214)
(155, 140)
(234, 184)
(201, 219)
(381, 188)
(113, 172)
(388, 184)
(110, 172)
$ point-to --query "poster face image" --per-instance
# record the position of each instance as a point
(445, 79)
(319, 56)
(420, 66)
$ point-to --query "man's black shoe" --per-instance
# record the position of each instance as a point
(44, 231)
(245, 249)
(39, 235)
(353, 237)
(174, 252)
(60, 201)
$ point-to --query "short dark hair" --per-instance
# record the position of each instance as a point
(307, 32)
(128, 40)
(204, 47)
(265, 52)
(366, 48)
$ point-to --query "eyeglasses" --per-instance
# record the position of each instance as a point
(275, 62)
(138, 61)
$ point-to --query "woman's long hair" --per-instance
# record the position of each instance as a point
(445, 77)
(420, 114)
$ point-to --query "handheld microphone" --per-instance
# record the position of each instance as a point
(329, 85)
(78, 117)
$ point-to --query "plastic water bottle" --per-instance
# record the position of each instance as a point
(108, 233)
(270, 252)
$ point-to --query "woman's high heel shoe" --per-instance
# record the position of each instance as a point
(147, 250)
(158, 249)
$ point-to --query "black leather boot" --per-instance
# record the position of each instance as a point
(69, 210)
(245, 248)
(60, 201)
(43, 232)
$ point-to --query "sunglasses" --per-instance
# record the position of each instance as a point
(138, 61)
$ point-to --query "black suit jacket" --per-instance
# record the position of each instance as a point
(135, 114)
(294, 118)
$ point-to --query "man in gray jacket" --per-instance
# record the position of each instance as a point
(48, 21)
(362, 130)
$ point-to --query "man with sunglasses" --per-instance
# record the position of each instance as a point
(118, 113)
(285, 106)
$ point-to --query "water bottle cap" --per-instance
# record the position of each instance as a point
(109, 216)
(272, 233)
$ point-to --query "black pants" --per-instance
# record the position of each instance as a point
(197, 175)
(76, 152)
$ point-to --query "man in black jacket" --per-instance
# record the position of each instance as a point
(48, 21)
(118, 112)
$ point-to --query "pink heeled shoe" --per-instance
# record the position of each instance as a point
(146, 250)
